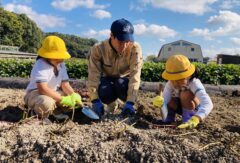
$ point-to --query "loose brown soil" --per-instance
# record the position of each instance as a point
(118, 139)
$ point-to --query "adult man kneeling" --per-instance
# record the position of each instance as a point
(114, 69)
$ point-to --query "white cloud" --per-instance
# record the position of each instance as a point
(227, 23)
(229, 4)
(91, 33)
(225, 18)
(149, 53)
(154, 30)
(213, 51)
(68, 5)
(42, 20)
(22, 1)
(79, 25)
(134, 6)
(198, 7)
(219, 41)
(231, 51)
(101, 14)
(235, 40)
(140, 21)
(162, 40)
(201, 32)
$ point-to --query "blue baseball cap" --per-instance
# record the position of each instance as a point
(123, 30)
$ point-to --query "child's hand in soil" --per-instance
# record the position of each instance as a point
(158, 101)
(191, 123)
(68, 101)
(77, 98)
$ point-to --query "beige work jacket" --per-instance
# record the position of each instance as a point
(105, 61)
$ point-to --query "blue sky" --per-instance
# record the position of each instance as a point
(213, 24)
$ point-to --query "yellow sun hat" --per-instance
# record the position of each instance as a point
(178, 67)
(53, 47)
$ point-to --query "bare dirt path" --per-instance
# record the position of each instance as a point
(116, 139)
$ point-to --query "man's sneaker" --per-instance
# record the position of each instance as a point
(61, 116)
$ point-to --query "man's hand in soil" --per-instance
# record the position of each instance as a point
(128, 109)
(191, 123)
(158, 101)
(77, 98)
(67, 101)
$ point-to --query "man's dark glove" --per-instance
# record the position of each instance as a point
(128, 109)
(98, 107)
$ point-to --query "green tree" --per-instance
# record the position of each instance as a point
(151, 58)
(32, 35)
(19, 30)
(11, 29)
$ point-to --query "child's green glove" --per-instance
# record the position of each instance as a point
(191, 123)
(158, 101)
(77, 98)
(68, 101)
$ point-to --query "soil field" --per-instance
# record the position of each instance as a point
(118, 139)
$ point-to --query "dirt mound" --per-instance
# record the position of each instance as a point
(117, 139)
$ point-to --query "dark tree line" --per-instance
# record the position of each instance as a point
(19, 30)
(77, 46)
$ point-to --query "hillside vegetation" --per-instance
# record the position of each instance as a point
(19, 30)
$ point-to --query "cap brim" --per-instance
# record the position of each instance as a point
(53, 55)
(125, 37)
(179, 76)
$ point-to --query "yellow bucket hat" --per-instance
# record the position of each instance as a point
(178, 67)
(53, 47)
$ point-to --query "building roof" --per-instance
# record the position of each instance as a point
(177, 43)
(180, 41)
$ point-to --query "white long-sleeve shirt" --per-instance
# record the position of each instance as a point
(197, 88)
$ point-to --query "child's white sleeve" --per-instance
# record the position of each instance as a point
(167, 92)
(206, 104)
(40, 72)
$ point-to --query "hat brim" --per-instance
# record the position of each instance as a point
(178, 76)
(53, 55)
(125, 37)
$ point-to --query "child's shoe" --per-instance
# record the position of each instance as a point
(170, 117)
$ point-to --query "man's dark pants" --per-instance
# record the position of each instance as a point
(112, 88)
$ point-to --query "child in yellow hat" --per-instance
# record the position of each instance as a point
(49, 83)
(184, 93)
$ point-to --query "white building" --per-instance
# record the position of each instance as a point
(190, 50)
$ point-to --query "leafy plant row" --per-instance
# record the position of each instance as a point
(77, 68)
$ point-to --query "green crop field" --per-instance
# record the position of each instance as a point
(228, 74)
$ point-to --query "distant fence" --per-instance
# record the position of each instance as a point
(16, 54)
(9, 48)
